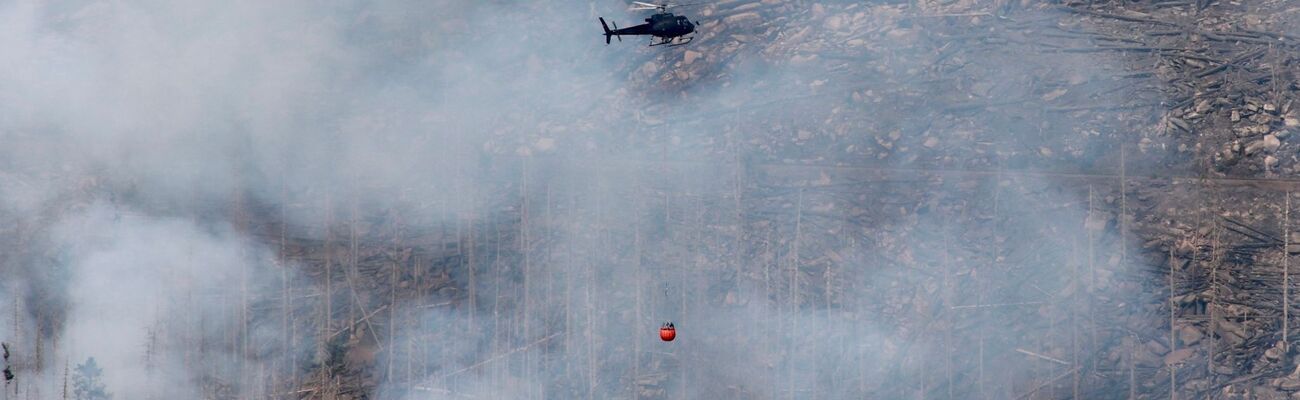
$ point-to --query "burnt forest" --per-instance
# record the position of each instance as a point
(828, 199)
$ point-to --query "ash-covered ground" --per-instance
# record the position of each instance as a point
(433, 199)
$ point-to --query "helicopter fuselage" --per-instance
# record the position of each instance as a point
(665, 26)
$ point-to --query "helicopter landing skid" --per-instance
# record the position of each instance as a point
(673, 42)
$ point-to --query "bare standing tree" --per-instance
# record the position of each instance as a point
(9, 373)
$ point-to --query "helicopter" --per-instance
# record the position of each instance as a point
(663, 25)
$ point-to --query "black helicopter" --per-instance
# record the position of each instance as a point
(665, 26)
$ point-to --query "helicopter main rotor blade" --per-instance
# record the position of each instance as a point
(641, 5)
(647, 6)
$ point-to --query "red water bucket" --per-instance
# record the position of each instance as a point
(667, 333)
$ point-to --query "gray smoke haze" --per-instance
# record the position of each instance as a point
(144, 292)
(196, 99)
(148, 116)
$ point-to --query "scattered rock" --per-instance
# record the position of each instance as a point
(1053, 95)
(1178, 356)
(742, 19)
(1289, 382)
(1189, 335)
(1267, 145)
(689, 57)
(1275, 353)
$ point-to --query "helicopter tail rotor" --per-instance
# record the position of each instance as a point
(609, 33)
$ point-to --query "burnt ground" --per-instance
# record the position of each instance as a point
(1006, 199)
